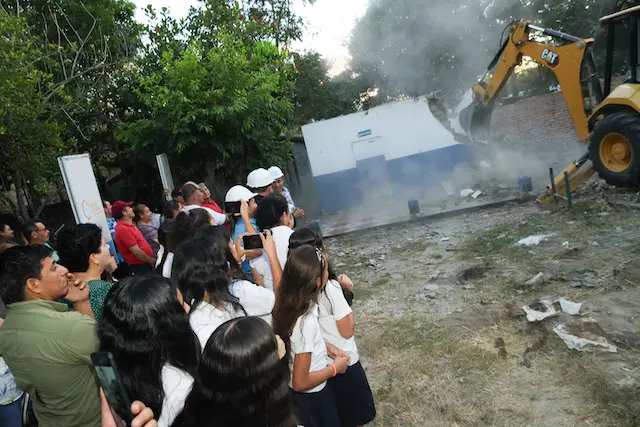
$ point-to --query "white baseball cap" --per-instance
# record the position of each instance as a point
(238, 193)
(275, 172)
(259, 178)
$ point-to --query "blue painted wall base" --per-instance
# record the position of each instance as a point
(344, 190)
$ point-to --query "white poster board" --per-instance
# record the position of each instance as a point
(165, 172)
(82, 189)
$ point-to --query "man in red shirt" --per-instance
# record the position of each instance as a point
(131, 244)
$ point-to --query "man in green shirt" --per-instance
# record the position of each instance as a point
(47, 348)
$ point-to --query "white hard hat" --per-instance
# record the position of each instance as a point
(275, 172)
(259, 178)
(239, 193)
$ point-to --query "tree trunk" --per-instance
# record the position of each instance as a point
(22, 205)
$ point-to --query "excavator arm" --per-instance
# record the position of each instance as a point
(566, 62)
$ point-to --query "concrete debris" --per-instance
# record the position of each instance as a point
(434, 275)
(372, 263)
(466, 192)
(430, 295)
(445, 239)
(570, 307)
(536, 280)
(535, 239)
(382, 257)
(539, 310)
(340, 264)
(476, 194)
(458, 310)
(579, 285)
(565, 243)
(397, 276)
(584, 335)
(604, 214)
(341, 254)
(448, 187)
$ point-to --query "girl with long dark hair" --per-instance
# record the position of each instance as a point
(310, 236)
(146, 328)
(241, 380)
(202, 270)
(273, 214)
(351, 391)
(295, 319)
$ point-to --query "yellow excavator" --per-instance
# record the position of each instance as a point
(607, 120)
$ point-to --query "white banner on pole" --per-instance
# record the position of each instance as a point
(83, 192)
(165, 172)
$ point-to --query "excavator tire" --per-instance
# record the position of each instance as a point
(615, 149)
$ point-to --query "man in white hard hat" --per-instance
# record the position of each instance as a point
(260, 181)
(278, 187)
(244, 223)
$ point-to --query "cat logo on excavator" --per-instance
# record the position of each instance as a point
(551, 57)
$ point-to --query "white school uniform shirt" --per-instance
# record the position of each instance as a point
(333, 307)
(256, 300)
(307, 338)
(219, 218)
(281, 236)
(177, 386)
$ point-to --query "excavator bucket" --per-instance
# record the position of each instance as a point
(475, 120)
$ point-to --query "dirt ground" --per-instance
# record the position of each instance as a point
(440, 326)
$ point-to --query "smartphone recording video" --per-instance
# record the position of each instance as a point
(232, 207)
(252, 241)
(114, 391)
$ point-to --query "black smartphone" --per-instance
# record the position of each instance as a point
(252, 241)
(232, 207)
(114, 391)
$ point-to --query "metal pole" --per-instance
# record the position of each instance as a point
(553, 186)
(568, 187)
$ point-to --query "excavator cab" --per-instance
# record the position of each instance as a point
(614, 140)
(606, 119)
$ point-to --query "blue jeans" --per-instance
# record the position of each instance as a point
(11, 414)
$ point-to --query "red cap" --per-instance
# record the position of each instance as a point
(119, 205)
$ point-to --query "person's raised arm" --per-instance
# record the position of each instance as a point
(244, 214)
(269, 246)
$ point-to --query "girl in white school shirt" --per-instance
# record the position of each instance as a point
(353, 397)
(295, 319)
(213, 284)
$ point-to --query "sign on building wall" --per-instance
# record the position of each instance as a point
(83, 192)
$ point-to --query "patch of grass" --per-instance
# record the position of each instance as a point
(423, 373)
(366, 290)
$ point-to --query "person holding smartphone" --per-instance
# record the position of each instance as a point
(273, 214)
(241, 204)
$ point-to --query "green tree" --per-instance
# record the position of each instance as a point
(318, 96)
(216, 103)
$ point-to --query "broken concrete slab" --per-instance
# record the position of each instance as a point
(585, 335)
(534, 240)
(466, 192)
(536, 280)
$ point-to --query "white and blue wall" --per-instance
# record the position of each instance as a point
(400, 144)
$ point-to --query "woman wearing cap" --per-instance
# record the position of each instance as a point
(278, 187)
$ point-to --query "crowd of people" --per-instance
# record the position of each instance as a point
(203, 331)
